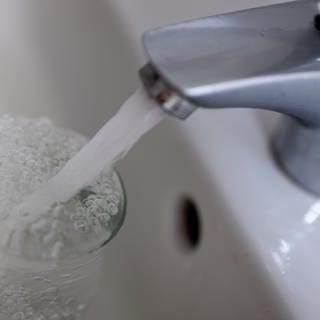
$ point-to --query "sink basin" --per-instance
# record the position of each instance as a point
(215, 230)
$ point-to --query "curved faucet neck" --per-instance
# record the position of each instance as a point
(264, 58)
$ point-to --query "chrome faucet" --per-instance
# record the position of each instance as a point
(264, 58)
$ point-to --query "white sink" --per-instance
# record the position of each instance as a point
(257, 256)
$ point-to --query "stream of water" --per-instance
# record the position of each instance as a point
(138, 115)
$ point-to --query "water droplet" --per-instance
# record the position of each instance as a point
(94, 221)
(112, 209)
(104, 218)
(80, 307)
(81, 226)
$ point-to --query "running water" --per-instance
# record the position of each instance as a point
(55, 207)
(137, 115)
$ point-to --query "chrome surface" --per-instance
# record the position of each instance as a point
(297, 148)
(168, 99)
(264, 58)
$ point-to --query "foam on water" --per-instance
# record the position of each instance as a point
(31, 152)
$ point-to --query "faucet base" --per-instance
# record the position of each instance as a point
(297, 148)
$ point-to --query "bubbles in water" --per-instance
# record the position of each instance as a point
(27, 303)
(104, 218)
(31, 152)
(81, 226)
(70, 219)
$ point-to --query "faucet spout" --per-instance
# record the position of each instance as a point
(266, 58)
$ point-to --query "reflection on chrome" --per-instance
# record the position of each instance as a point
(282, 253)
(281, 256)
(313, 214)
(284, 247)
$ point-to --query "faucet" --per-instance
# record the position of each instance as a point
(263, 58)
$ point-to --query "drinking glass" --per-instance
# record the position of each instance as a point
(37, 286)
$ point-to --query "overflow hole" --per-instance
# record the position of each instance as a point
(189, 223)
(317, 21)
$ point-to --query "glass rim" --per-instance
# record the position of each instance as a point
(122, 213)
(86, 255)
